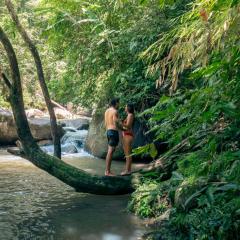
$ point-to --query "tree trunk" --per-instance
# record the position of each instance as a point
(76, 178)
(40, 73)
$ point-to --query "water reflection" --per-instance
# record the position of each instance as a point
(35, 205)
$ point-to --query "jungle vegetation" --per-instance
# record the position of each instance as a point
(179, 62)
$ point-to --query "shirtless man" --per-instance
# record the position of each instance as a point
(111, 122)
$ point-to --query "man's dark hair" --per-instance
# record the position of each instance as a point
(114, 102)
(130, 108)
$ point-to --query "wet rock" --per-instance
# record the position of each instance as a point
(41, 129)
(77, 138)
(69, 149)
(85, 126)
(69, 129)
(15, 151)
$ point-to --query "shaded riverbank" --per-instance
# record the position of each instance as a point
(35, 205)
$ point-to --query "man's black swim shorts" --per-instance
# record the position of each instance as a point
(113, 137)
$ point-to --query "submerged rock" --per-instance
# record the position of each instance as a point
(69, 149)
(77, 138)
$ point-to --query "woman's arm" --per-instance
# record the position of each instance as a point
(129, 122)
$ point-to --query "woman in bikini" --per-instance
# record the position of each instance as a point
(128, 137)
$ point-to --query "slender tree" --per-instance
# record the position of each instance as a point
(34, 51)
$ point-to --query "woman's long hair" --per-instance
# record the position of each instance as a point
(130, 108)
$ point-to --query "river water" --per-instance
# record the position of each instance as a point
(35, 205)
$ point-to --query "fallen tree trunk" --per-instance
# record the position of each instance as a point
(74, 177)
(80, 180)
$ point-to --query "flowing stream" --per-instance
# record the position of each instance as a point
(35, 205)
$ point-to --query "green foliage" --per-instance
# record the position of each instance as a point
(25, 11)
(201, 55)
(100, 43)
(149, 148)
(3, 103)
(196, 33)
(215, 218)
(150, 199)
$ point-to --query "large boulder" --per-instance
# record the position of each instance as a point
(40, 128)
(96, 142)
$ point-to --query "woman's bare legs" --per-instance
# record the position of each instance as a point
(127, 147)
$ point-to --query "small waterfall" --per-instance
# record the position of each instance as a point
(72, 142)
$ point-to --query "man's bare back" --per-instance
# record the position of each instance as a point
(111, 118)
